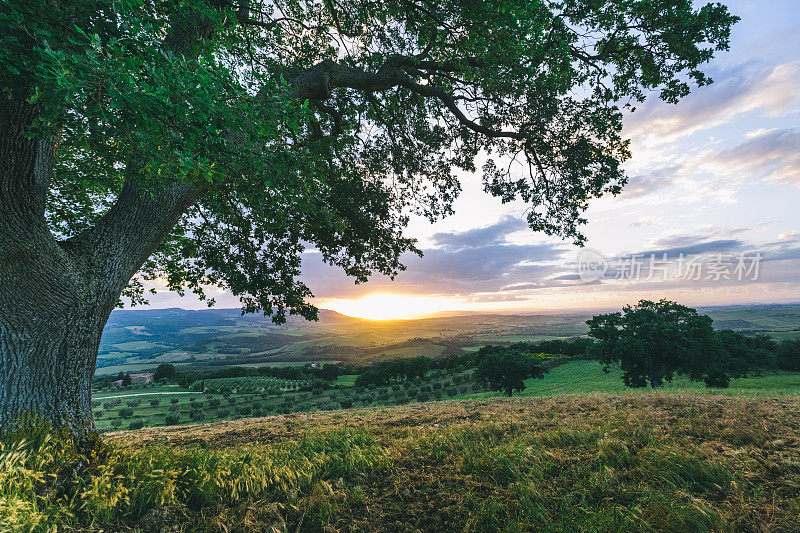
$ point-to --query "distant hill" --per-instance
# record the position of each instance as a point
(142, 339)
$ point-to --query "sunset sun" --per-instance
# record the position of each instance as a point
(387, 306)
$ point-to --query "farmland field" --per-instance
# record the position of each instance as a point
(140, 340)
(230, 398)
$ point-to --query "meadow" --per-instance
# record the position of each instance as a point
(231, 398)
(660, 461)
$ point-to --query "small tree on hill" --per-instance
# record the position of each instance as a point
(653, 341)
(165, 371)
(506, 370)
(125, 379)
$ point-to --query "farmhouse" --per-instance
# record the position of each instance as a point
(145, 378)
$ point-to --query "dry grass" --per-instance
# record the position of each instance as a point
(659, 462)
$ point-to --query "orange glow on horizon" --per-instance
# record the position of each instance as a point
(387, 306)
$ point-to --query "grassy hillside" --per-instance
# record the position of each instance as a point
(229, 398)
(584, 377)
(633, 462)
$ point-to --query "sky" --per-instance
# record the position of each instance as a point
(710, 216)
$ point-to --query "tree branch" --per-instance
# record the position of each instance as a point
(121, 241)
(317, 82)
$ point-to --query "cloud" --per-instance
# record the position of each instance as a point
(492, 234)
(736, 91)
(647, 221)
(640, 185)
(707, 247)
(461, 263)
(773, 155)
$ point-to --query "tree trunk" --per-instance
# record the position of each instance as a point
(47, 365)
(56, 296)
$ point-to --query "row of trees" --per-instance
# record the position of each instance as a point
(309, 372)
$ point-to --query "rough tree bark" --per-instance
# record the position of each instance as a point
(56, 296)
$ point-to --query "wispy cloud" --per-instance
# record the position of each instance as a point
(735, 91)
(773, 155)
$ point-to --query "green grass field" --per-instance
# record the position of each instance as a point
(232, 398)
(584, 377)
(665, 461)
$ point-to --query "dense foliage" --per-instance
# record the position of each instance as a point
(507, 369)
(653, 341)
(280, 125)
(788, 355)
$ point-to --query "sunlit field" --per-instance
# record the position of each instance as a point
(630, 462)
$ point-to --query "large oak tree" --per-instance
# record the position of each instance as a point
(209, 142)
(651, 342)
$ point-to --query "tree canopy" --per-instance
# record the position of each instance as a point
(653, 341)
(506, 369)
(265, 128)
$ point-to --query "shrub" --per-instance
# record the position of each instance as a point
(173, 400)
(136, 424)
(155, 402)
(197, 415)
(116, 423)
(214, 403)
(789, 355)
(95, 403)
(223, 413)
(172, 420)
(346, 403)
(125, 412)
(245, 409)
(133, 402)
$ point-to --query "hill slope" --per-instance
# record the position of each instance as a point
(136, 339)
(567, 463)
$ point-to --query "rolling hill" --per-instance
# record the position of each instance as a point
(142, 339)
